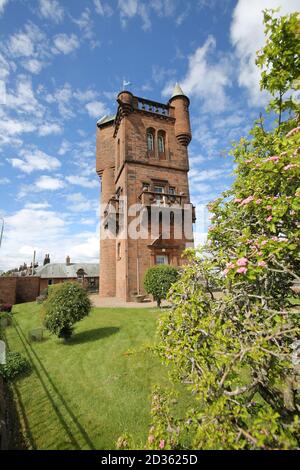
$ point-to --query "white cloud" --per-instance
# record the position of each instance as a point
(196, 175)
(86, 95)
(82, 181)
(96, 109)
(5, 67)
(4, 180)
(37, 205)
(206, 79)
(64, 148)
(27, 43)
(13, 127)
(51, 9)
(131, 8)
(247, 36)
(3, 3)
(48, 183)
(34, 160)
(103, 8)
(23, 100)
(36, 227)
(65, 44)
(21, 45)
(87, 250)
(78, 202)
(33, 65)
(30, 45)
(49, 128)
(62, 97)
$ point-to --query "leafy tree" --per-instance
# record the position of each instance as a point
(67, 304)
(279, 60)
(158, 281)
(237, 352)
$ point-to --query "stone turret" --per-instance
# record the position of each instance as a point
(182, 125)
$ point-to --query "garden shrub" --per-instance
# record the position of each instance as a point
(67, 304)
(16, 365)
(158, 280)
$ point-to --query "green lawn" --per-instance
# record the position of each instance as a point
(85, 394)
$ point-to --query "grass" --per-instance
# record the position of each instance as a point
(85, 394)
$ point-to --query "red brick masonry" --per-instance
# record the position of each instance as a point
(16, 290)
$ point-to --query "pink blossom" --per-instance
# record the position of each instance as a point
(242, 270)
(250, 160)
(262, 264)
(293, 132)
(275, 159)
(291, 165)
(247, 200)
(162, 444)
(269, 208)
(242, 262)
(268, 219)
(260, 253)
(230, 265)
(236, 200)
(264, 242)
(258, 201)
(151, 439)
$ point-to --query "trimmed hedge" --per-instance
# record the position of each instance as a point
(67, 304)
(158, 281)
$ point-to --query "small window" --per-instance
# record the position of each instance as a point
(159, 190)
(119, 251)
(80, 275)
(171, 190)
(161, 259)
(161, 144)
(150, 141)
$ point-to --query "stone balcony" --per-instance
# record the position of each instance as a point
(152, 107)
(165, 200)
(112, 212)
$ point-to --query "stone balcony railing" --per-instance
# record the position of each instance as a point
(112, 211)
(152, 107)
(165, 200)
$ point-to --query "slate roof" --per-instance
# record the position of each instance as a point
(105, 119)
(62, 270)
(177, 91)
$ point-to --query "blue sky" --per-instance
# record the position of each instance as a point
(62, 62)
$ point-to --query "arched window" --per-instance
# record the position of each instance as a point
(161, 144)
(150, 140)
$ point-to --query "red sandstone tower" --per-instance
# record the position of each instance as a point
(142, 160)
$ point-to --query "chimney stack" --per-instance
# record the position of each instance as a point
(68, 260)
(46, 259)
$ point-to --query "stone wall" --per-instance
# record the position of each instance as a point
(16, 290)
(28, 288)
(8, 290)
